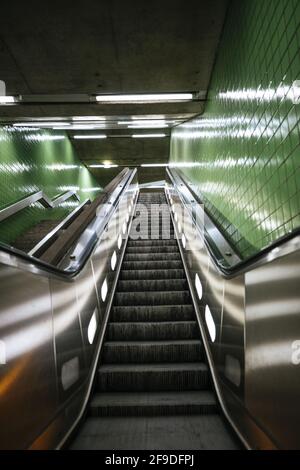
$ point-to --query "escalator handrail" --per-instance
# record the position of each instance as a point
(17, 258)
(283, 246)
(38, 196)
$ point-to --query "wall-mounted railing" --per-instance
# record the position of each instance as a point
(38, 196)
(249, 316)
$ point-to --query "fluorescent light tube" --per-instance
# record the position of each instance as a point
(146, 136)
(149, 126)
(103, 166)
(144, 98)
(88, 118)
(41, 124)
(98, 136)
(153, 165)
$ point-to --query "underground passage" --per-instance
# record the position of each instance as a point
(150, 226)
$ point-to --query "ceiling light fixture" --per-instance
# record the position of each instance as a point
(154, 165)
(95, 136)
(144, 98)
(147, 136)
(96, 165)
(148, 126)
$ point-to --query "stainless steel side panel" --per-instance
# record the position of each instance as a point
(272, 383)
(250, 324)
(28, 394)
(51, 331)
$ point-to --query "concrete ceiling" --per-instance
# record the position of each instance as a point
(109, 46)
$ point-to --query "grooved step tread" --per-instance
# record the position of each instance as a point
(136, 352)
(153, 298)
(152, 404)
(153, 331)
(144, 274)
(153, 377)
(152, 313)
(161, 367)
(146, 285)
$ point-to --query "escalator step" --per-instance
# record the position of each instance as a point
(153, 298)
(141, 285)
(147, 331)
(149, 249)
(153, 404)
(174, 256)
(153, 313)
(146, 352)
(156, 264)
(142, 274)
(152, 377)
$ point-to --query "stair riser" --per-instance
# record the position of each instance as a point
(143, 274)
(124, 354)
(152, 285)
(149, 249)
(147, 265)
(152, 381)
(150, 332)
(149, 410)
(152, 257)
(157, 313)
(153, 243)
(152, 298)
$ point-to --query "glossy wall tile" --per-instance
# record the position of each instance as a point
(243, 153)
(33, 160)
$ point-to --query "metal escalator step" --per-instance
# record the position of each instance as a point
(153, 243)
(143, 274)
(153, 313)
(153, 298)
(174, 256)
(153, 404)
(147, 331)
(145, 352)
(149, 249)
(144, 285)
(153, 264)
(152, 377)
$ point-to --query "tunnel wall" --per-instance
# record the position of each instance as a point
(34, 160)
(243, 151)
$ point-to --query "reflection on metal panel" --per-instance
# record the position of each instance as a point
(272, 333)
(256, 353)
(47, 361)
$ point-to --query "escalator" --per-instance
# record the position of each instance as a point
(153, 388)
(127, 331)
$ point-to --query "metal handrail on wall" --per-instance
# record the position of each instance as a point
(38, 196)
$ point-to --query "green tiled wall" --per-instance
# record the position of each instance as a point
(243, 153)
(33, 160)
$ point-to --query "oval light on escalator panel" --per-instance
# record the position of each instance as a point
(92, 328)
(119, 241)
(104, 289)
(179, 227)
(113, 261)
(124, 228)
(183, 240)
(198, 286)
(210, 323)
